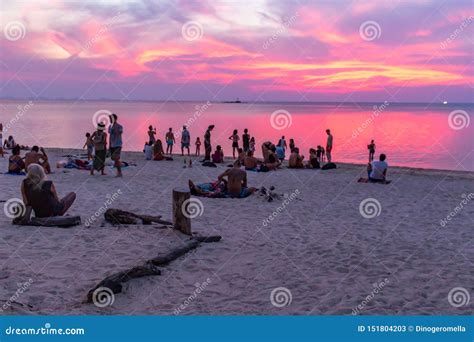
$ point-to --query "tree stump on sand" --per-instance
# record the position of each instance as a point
(181, 220)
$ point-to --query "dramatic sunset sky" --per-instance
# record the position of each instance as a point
(278, 50)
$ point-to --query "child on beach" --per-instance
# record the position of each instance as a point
(280, 152)
(235, 142)
(198, 146)
(170, 140)
(371, 148)
(90, 146)
(252, 144)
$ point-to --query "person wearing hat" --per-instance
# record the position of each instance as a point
(99, 138)
(115, 131)
(185, 140)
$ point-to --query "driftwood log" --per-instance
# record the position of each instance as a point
(117, 216)
(181, 202)
(114, 281)
(55, 221)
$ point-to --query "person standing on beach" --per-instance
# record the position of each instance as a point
(282, 143)
(207, 143)
(329, 145)
(90, 146)
(151, 135)
(235, 142)
(198, 146)
(115, 131)
(99, 138)
(371, 148)
(252, 144)
(292, 145)
(246, 140)
(170, 140)
(185, 140)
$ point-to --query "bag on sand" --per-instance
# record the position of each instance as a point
(209, 164)
(329, 166)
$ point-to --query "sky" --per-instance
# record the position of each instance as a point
(396, 51)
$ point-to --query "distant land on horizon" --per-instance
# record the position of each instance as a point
(244, 101)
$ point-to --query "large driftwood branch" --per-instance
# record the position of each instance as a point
(114, 281)
(55, 221)
(117, 216)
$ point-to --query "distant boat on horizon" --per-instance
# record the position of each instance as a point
(236, 101)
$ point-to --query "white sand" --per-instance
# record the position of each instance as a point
(319, 247)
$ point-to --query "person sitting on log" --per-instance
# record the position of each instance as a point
(234, 187)
(41, 195)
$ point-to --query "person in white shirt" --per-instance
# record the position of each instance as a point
(148, 150)
(378, 169)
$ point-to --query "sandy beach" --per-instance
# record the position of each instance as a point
(330, 254)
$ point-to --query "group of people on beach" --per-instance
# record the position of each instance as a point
(40, 193)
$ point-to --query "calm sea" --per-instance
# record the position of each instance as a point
(415, 135)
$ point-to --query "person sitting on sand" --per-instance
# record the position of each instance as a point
(273, 162)
(280, 152)
(377, 170)
(35, 157)
(241, 155)
(295, 161)
(250, 162)
(99, 138)
(313, 162)
(41, 195)
(148, 151)
(16, 165)
(9, 143)
(218, 156)
(90, 146)
(266, 150)
(235, 186)
(158, 152)
(198, 146)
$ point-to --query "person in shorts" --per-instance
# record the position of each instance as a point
(185, 140)
(115, 132)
